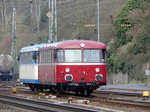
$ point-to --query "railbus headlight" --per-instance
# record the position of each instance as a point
(98, 77)
(97, 69)
(103, 60)
(68, 77)
(67, 69)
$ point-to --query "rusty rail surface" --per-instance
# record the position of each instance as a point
(40, 106)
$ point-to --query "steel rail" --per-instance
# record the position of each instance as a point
(114, 100)
(133, 102)
(101, 97)
(40, 106)
(119, 92)
(111, 99)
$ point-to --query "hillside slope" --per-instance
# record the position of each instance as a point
(130, 52)
(72, 16)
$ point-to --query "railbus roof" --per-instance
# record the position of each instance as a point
(31, 48)
(74, 44)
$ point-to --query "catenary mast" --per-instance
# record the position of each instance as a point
(52, 15)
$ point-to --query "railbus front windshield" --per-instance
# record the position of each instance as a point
(28, 57)
(78, 55)
(73, 55)
(91, 55)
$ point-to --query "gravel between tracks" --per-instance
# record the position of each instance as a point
(100, 105)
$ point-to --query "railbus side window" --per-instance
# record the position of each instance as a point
(103, 55)
(52, 55)
(47, 56)
(59, 55)
(35, 56)
(41, 56)
(26, 58)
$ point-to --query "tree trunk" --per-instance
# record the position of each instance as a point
(38, 10)
(4, 12)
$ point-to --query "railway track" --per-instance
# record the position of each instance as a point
(102, 97)
(125, 101)
(128, 99)
(120, 92)
(39, 105)
(119, 98)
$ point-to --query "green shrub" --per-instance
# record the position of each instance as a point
(121, 37)
(116, 63)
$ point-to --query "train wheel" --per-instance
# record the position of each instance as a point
(32, 88)
(88, 92)
(76, 92)
(52, 90)
(82, 92)
(39, 89)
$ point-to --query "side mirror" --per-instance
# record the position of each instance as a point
(18, 58)
(34, 56)
(55, 54)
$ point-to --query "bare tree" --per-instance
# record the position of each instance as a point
(38, 13)
(4, 11)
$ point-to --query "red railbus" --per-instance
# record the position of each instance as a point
(74, 65)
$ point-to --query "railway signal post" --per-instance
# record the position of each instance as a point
(14, 40)
(147, 73)
(52, 15)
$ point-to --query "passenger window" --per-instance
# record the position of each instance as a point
(35, 56)
(59, 56)
(103, 55)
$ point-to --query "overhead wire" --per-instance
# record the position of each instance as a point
(82, 9)
(46, 3)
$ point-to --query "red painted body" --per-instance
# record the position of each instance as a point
(80, 71)
(47, 74)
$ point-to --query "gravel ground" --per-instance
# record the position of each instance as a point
(6, 108)
(105, 106)
(139, 87)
